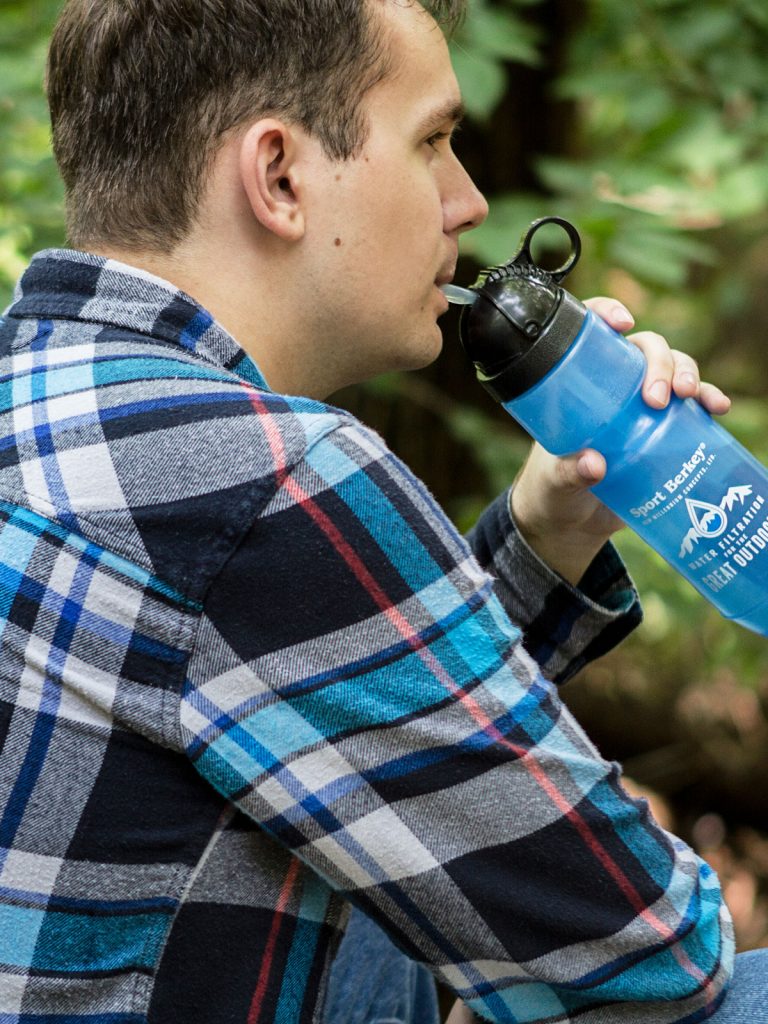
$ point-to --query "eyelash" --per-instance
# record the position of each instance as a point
(433, 140)
(437, 137)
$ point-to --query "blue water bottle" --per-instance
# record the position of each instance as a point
(681, 481)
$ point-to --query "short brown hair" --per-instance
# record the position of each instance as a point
(142, 91)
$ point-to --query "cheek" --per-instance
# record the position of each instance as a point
(414, 228)
(422, 205)
(391, 227)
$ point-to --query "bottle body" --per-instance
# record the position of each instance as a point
(681, 481)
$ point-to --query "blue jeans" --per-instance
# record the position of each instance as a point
(372, 982)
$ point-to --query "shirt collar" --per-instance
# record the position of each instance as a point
(71, 285)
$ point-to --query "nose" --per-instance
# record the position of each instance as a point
(464, 205)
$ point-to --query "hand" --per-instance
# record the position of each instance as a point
(460, 1014)
(551, 502)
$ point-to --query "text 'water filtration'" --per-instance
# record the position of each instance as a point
(681, 481)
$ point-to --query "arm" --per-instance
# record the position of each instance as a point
(373, 709)
(564, 626)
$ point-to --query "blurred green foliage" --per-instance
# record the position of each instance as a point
(662, 167)
(665, 168)
(30, 191)
(665, 172)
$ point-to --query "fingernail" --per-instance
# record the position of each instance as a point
(688, 380)
(585, 468)
(622, 317)
(659, 392)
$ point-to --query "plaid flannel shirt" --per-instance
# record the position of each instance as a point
(250, 673)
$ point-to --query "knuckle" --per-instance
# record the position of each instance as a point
(684, 361)
(650, 338)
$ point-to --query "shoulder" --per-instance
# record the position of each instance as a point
(159, 452)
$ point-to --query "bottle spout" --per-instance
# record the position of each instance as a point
(458, 296)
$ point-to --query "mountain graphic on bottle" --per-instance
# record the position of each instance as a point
(710, 521)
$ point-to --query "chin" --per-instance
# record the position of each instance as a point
(423, 348)
(393, 354)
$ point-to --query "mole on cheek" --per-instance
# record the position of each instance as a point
(337, 241)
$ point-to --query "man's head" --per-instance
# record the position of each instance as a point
(286, 162)
(142, 92)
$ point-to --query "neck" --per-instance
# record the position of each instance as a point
(252, 299)
(264, 289)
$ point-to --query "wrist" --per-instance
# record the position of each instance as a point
(567, 551)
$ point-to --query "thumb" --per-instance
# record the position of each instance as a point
(585, 469)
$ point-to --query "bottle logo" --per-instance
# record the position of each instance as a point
(709, 521)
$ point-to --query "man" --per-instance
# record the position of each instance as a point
(250, 673)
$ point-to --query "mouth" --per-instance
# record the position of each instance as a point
(443, 300)
(445, 278)
(447, 270)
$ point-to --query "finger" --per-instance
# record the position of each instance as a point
(687, 384)
(591, 467)
(582, 470)
(713, 399)
(686, 380)
(660, 369)
(612, 311)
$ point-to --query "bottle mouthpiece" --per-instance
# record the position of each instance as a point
(521, 322)
(458, 296)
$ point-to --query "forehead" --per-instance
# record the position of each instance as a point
(421, 79)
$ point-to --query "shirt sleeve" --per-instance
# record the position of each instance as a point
(359, 691)
(564, 627)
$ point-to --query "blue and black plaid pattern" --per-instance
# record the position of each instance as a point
(250, 674)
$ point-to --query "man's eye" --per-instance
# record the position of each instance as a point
(438, 137)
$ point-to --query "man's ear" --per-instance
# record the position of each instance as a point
(271, 178)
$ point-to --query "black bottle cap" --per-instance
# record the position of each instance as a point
(522, 322)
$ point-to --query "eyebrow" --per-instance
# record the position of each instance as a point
(450, 111)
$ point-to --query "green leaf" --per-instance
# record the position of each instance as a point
(505, 36)
(567, 176)
(743, 191)
(657, 255)
(702, 28)
(704, 145)
(482, 81)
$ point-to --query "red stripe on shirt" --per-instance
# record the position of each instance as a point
(269, 950)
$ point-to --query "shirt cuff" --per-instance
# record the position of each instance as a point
(564, 627)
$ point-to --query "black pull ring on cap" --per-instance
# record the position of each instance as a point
(524, 254)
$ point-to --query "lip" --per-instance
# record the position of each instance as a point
(447, 271)
(445, 278)
(443, 299)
